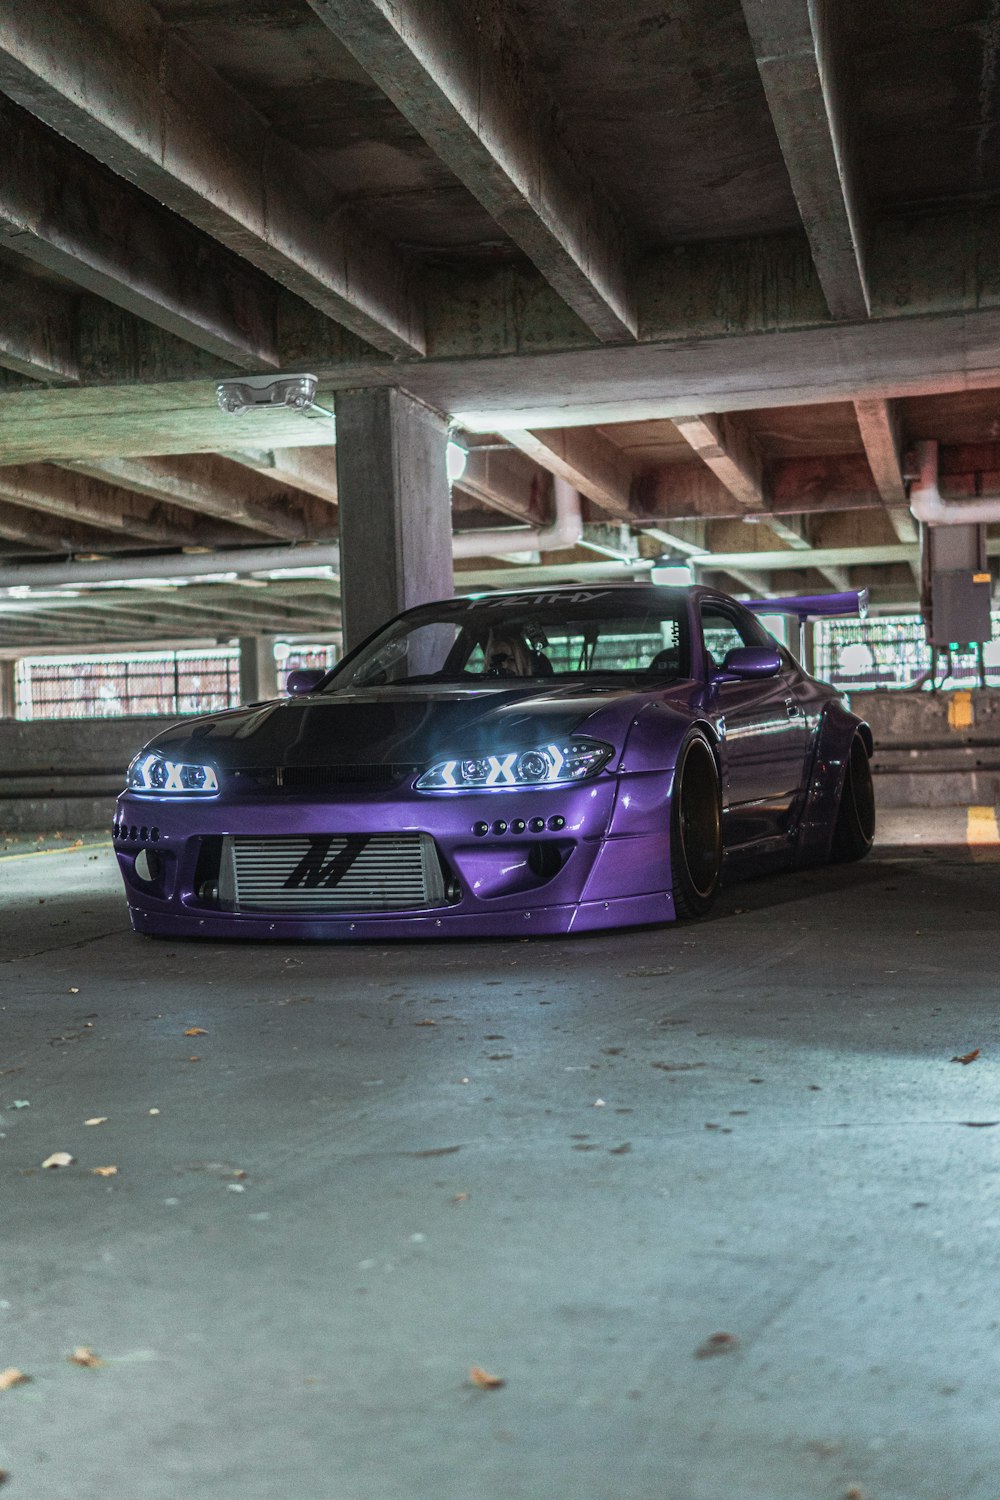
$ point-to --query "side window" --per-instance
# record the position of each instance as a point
(726, 630)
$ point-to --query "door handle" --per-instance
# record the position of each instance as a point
(792, 709)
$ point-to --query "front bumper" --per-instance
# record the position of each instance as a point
(610, 837)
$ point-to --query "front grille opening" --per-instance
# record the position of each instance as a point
(206, 872)
(330, 873)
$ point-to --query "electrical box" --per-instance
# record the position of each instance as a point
(960, 607)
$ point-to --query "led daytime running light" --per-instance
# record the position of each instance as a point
(155, 774)
(542, 765)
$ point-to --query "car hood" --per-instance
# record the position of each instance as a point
(399, 726)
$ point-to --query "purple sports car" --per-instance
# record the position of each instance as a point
(552, 760)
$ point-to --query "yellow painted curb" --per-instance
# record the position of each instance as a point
(960, 710)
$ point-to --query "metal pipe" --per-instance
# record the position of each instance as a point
(564, 532)
(927, 504)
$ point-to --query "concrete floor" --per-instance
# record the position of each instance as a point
(570, 1162)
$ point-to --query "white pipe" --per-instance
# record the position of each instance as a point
(172, 565)
(927, 505)
(565, 531)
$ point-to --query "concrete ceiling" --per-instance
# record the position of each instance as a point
(719, 264)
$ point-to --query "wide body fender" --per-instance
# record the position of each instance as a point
(837, 730)
(635, 855)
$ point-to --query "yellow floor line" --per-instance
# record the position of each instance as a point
(982, 833)
(69, 849)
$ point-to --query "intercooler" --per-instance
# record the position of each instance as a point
(330, 873)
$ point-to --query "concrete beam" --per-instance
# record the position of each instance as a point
(45, 533)
(796, 486)
(61, 210)
(505, 480)
(732, 453)
(162, 417)
(312, 470)
(802, 68)
(588, 461)
(112, 78)
(879, 425)
(36, 327)
(212, 486)
(461, 78)
(817, 557)
(89, 502)
(789, 529)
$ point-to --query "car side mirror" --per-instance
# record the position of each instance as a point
(304, 680)
(744, 663)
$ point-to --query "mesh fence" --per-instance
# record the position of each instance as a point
(891, 651)
(113, 686)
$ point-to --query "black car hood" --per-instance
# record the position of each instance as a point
(397, 726)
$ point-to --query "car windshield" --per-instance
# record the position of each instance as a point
(589, 634)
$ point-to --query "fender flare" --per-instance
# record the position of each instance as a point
(837, 731)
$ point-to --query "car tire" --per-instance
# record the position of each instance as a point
(696, 829)
(854, 830)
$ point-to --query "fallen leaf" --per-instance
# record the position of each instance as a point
(460, 1198)
(105, 1171)
(196, 1031)
(59, 1159)
(484, 1381)
(622, 1150)
(4, 1476)
(20, 1104)
(967, 1057)
(717, 1343)
(154, 1111)
(11, 1377)
(668, 1067)
(598, 1103)
(436, 1151)
(85, 1358)
(854, 1493)
(74, 989)
(196, 1058)
(425, 1023)
(97, 1120)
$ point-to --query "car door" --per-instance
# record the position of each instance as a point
(762, 728)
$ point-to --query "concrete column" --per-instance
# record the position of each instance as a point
(258, 678)
(395, 508)
(8, 689)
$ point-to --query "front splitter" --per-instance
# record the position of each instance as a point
(584, 916)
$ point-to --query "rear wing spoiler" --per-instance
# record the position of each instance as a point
(814, 606)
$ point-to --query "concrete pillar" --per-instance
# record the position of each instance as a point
(258, 677)
(8, 689)
(395, 508)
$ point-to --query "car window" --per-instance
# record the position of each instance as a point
(589, 634)
(726, 630)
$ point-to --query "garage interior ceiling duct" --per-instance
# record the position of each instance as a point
(927, 504)
(564, 532)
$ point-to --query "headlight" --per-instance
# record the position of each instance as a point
(150, 772)
(543, 765)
